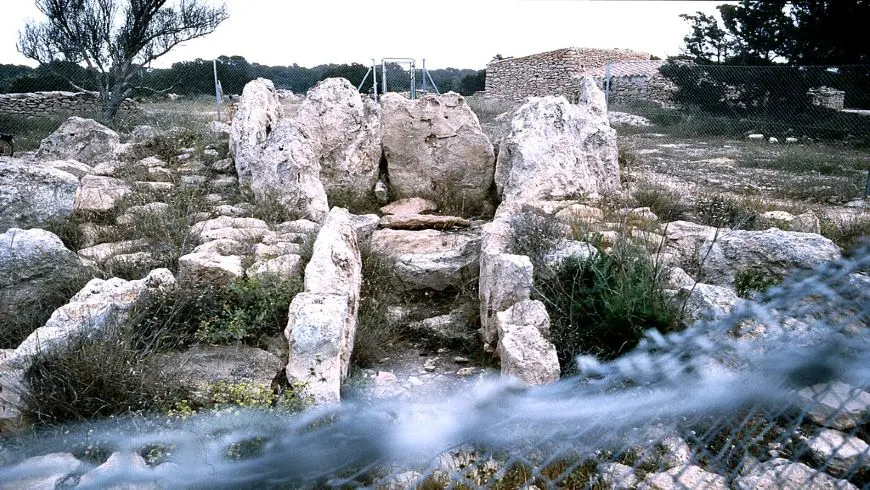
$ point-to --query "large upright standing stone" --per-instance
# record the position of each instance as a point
(434, 145)
(322, 321)
(556, 150)
(345, 133)
(256, 117)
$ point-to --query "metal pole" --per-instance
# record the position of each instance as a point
(375, 78)
(434, 87)
(364, 80)
(413, 80)
(217, 91)
(607, 87)
(425, 72)
(384, 73)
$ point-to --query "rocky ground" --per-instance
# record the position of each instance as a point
(341, 249)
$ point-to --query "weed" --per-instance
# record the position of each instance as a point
(752, 281)
(353, 201)
(628, 159)
(97, 375)
(603, 305)
(665, 202)
(29, 131)
(723, 211)
(847, 234)
(376, 329)
(270, 209)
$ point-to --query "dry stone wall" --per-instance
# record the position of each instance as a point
(42, 104)
(639, 87)
(550, 73)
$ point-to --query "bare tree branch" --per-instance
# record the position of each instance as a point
(113, 38)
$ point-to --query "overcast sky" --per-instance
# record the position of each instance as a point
(448, 33)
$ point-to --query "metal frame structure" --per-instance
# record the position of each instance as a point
(412, 70)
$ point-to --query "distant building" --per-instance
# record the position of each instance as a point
(550, 73)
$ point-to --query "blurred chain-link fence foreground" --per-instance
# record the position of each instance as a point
(782, 407)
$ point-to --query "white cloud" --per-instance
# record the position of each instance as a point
(458, 33)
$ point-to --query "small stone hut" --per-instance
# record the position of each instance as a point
(550, 73)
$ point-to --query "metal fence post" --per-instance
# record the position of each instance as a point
(607, 86)
(218, 93)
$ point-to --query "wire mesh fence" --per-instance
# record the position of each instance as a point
(789, 103)
(782, 407)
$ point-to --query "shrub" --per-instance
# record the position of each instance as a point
(665, 202)
(751, 281)
(848, 234)
(603, 305)
(95, 376)
(722, 211)
(376, 329)
(243, 311)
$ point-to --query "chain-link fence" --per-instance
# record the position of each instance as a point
(789, 103)
(782, 407)
(35, 101)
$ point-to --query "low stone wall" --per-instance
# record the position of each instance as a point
(42, 104)
(550, 73)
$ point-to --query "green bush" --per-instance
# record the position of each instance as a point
(243, 311)
(96, 376)
(722, 211)
(603, 305)
(376, 330)
(751, 281)
(665, 202)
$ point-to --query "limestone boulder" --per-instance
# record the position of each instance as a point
(80, 139)
(422, 222)
(836, 405)
(345, 131)
(806, 223)
(42, 472)
(773, 253)
(434, 145)
(35, 270)
(706, 302)
(523, 347)
(781, 473)
(256, 116)
(204, 365)
(288, 170)
(684, 238)
(315, 327)
(556, 150)
(99, 305)
(335, 268)
(209, 267)
(100, 194)
(505, 279)
(690, 476)
(429, 259)
(838, 453)
(31, 195)
(284, 266)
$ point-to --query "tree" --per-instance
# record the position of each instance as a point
(473, 83)
(796, 32)
(115, 38)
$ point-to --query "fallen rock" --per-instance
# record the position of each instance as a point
(617, 476)
(365, 225)
(410, 205)
(100, 194)
(684, 477)
(36, 271)
(80, 139)
(556, 150)
(836, 405)
(102, 252)
(209, 268)
(203, 365)
(422, 222)
(435, 146)
(706, 302)
(107, 474)
(781, 473)
(429, 259)
(563, 250)
(256, 116)
(773, 253)
(805, 223)
(505, 279)
(523, 348)
(839, 454)
(31, 195)
(42, 472)
(285, 266)
(99, 305)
